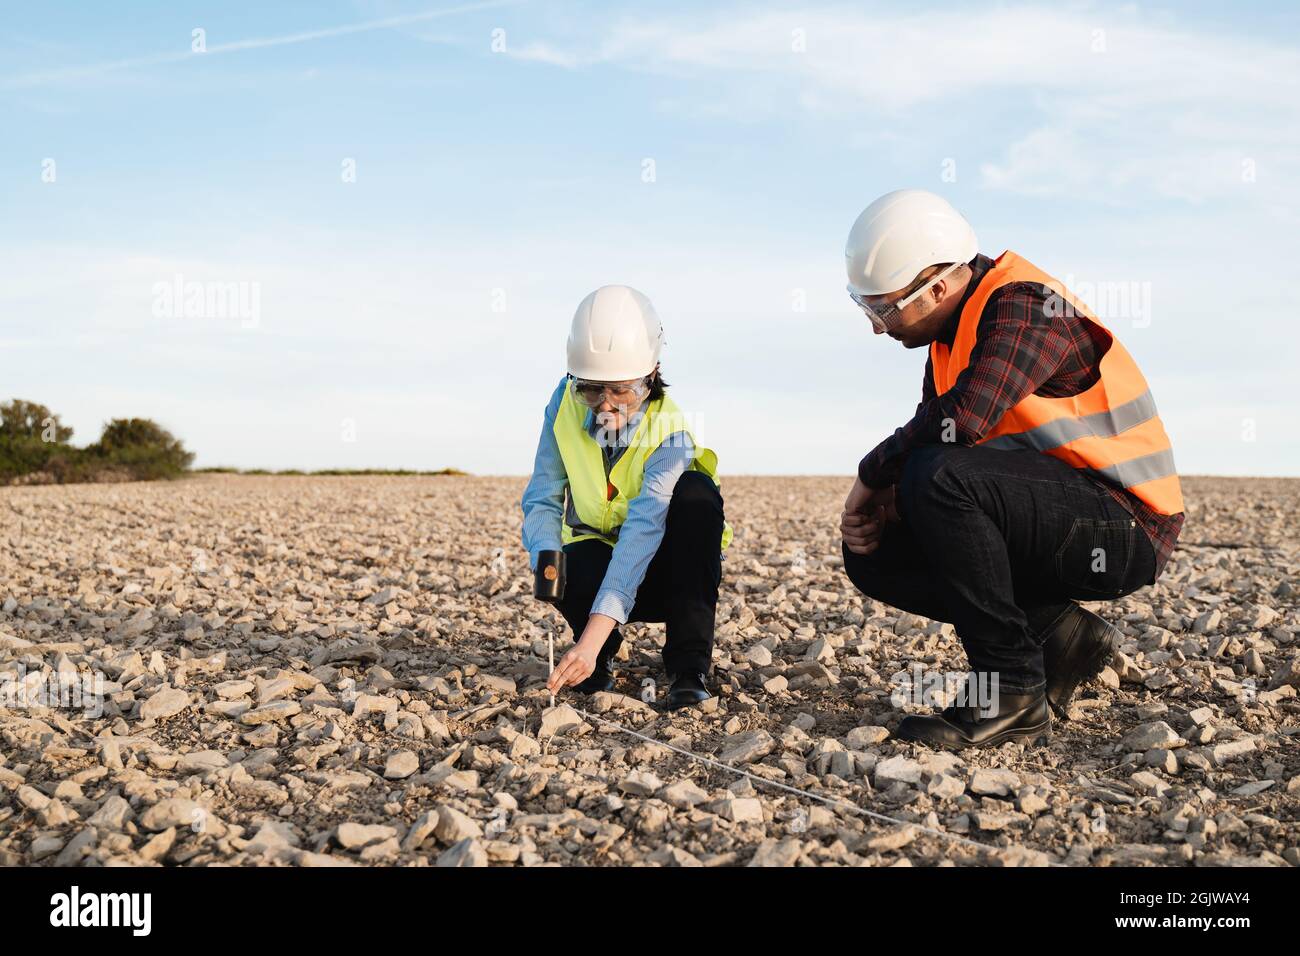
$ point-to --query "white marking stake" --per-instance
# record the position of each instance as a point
(550, 655)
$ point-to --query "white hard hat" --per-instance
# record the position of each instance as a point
(899, 235)
(616, 336)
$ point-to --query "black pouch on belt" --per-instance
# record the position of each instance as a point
(548, 579)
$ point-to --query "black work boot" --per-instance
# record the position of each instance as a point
(1018, 715)
(602, 678)
(687, 689)
(1078, 646)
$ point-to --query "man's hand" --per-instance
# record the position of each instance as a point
(887, 499)
(866, 512)
(861, 534)
(859, 499)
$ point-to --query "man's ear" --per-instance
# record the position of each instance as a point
(946, 285)
(935, 292)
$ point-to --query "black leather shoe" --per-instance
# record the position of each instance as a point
(1079, 645)
(602, 678)
(1018, 715)
(687, 689)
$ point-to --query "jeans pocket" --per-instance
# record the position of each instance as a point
(1093, 561)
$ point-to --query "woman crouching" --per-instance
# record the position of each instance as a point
(623, 511)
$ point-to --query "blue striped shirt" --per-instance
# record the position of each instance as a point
(647, 514)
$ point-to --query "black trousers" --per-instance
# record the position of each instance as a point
(680, 588)
(998, 543)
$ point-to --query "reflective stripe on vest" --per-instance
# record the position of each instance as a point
(584, 465)
(1111, 428)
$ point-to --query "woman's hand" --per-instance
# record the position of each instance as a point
(580, 660)
(574, 667)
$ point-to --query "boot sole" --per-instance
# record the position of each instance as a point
(595, 690)
(1096, 664)
(1040, 735)
(685, 703)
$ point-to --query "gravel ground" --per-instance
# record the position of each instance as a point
(350, 671)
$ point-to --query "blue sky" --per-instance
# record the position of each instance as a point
(415, 316)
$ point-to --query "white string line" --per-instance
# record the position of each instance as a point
(853, 807)
(830, 801)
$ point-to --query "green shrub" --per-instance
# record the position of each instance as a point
(34, 447)
(143, 448)
(33, 440)
(21, 419)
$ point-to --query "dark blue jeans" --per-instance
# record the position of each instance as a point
(998, 543)
(680, 588)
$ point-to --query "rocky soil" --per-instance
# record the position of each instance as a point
(350, 671)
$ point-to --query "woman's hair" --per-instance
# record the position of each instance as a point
(657, 385)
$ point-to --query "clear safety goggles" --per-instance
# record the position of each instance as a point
(886, 315)
(620, 394)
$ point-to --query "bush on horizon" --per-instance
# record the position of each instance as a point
(35, 448)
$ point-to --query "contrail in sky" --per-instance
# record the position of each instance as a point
(95, 69)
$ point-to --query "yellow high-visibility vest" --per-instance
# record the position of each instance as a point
(602, 504)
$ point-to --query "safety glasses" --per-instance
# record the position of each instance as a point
(886, 315)
(620, 394)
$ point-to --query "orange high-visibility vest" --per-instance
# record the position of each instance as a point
(1111, 428)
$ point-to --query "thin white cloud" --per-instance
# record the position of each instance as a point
(64, 74)
(544, 53)
(1094, 99)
